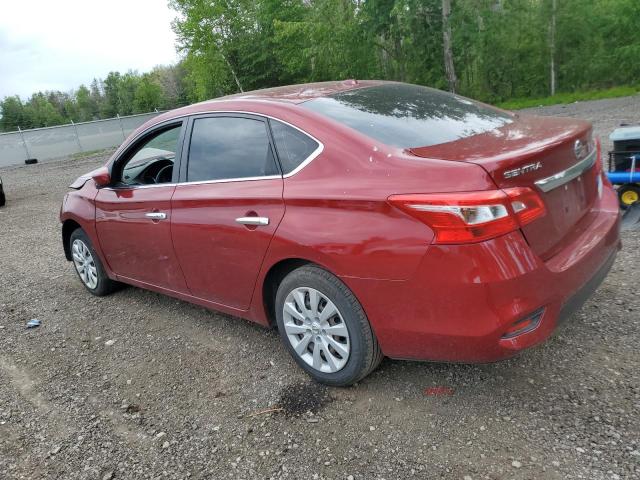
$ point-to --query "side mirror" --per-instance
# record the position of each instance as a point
(101, 176)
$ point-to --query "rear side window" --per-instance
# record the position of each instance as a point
(293, 146)
(229, 148)
(409, 116)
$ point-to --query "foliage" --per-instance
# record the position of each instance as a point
(502, 50)
(564, 98)
(118, 94)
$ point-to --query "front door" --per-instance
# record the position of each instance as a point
(227, 209)
(133, 216)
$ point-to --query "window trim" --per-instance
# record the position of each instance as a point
(141, 137)
(307, 160)
(184, 148)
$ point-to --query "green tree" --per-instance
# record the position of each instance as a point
(40, 112)
(111, 103)
(172, 80)
(12, 114)
(148, 95)
(126, 88)
(497, 49)
(87, 107)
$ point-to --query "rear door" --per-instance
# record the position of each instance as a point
(226, 207)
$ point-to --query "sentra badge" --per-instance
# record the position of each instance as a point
(516, 172)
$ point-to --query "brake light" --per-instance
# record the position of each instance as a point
(469, 217)
(527, 204)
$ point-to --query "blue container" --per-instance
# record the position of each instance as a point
(618, 178)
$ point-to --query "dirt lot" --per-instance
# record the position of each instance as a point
(138, 385)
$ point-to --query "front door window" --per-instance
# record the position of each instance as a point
(152, 161)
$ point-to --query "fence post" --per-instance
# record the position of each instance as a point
(24, 142)
(121, 127)
(75, 129)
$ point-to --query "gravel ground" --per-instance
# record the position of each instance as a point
(606, 115)
(138, 385)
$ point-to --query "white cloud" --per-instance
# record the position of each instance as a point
(57, 45)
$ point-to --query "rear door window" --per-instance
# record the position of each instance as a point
(294, 147)
(225, 148)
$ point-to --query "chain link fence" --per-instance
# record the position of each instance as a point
(60, 141)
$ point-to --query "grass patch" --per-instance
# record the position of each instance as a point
(564, 98)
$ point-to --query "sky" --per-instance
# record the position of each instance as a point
(60, 44)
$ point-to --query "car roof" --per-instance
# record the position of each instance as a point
(289, 94)
(265, 100)
(302, 92)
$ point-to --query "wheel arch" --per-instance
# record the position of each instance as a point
(274, 276)
(68, 227)
(272, 279)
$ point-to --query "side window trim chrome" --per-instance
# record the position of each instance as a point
(230, 180)
(188, 125)
(138, 187)
(312, 156)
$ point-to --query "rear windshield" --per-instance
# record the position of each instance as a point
(409, 116)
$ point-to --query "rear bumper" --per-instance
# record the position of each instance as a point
(464, 298)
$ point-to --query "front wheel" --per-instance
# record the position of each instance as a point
(88, 266)
(324, 327)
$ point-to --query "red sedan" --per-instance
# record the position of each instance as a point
(363, 218)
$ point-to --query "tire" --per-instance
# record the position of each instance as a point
(3, 199)
(314, 284)
(628, 195)
(95, 280)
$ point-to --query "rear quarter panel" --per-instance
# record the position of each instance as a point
(337, 214)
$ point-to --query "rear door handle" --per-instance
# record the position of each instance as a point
(156, 215)
(257, 221)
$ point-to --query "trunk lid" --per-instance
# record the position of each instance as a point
(528, 150)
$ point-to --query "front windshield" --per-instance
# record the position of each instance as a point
(409, 116)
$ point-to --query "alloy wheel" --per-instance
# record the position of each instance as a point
(84, 263)
(316, 330)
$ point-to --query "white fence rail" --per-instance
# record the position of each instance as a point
(54, 142)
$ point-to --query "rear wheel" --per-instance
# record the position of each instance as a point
(88, 266)
(324, 327)
(629, 194)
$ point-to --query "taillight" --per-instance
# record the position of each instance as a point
(468, 217)
(526, 204)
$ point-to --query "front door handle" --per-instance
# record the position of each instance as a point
(257, 221)
(156, 215)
